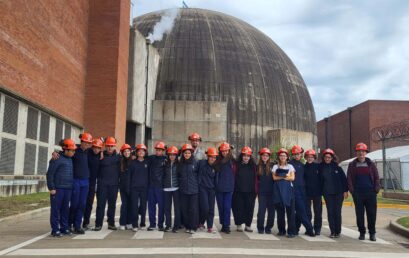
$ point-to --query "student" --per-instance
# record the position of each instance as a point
(313, 190)
(188, 173)
(335, 190)
(139, 173)
(299, 193)
(244, 195)
(283, 175)
(207, 192)
(195, 141)
(59, 182)
(125, 218)
(155, 190)
(171, 189)
(107, 185)
(363, 183)
(225, 167)
(265, 192)
(94, 157)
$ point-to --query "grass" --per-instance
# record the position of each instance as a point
(404, 222)
(17, 204)
(381, 200)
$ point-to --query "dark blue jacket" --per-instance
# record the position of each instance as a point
(170, 177)
(80, 162)
(313, 185)
(60, 173)
(125, 177)
(283, 190)
(333, 178)
(225, 177)
(109, 169)
(139, 174)
(265, 181)
(93, 165)
(299, 180)
(188, 173)
(207, 175)
(156, 170)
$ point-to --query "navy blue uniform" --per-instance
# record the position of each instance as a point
(93, 165)
(314, 194)
(265, 200)
(60, 178)
(125, 218)
(171, 194)
(207, 193)
(224, 192)
(155, 191)
(188, 174)
(300, 198)
(107, 187)
(139, 172)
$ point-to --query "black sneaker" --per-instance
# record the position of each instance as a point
(317, 233)
(97, 228)
(227, 231)
(151, 228)
(290, 236)
(361, 236)
(85, 227)
(79, 231)
(281, 233)
(267, 231)
(161, 228)
(337, 235)
(174, 230)
(66, 232)
(56, 234)
(372, 237)
(112, 227)
(310, 233)
(167, 229)
(332, 235)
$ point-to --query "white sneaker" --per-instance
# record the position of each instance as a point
(239, 228)
(121, 227)
(129, 227)
(135, 229)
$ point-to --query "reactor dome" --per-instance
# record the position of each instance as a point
(211, 56)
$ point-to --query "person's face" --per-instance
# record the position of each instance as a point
(195, 143)
(246, 158)
(159, 152)
(187, 154)
(126, 153)
(297, 156)
(265, 157)
(86, 145)
(282, 158)
(225, 153)
(96, 150)
(172, 157)
(140, 153)
(310, 158)
(69, 153)
(110, 149)
(361, 155)
(327, 158)
(211, 159)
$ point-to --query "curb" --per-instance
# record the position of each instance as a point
(25, 215)
(381, 206)
(401, 230)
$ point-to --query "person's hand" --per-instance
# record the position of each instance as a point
(55, 156)
(101, 155)
(345, 195)
(53, 192)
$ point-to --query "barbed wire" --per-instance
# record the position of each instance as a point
(393, 131)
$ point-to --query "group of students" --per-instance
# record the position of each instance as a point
(190, 181)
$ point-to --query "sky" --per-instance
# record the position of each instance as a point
(347, 51)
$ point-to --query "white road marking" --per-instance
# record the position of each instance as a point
(28, 242)
(256, 236)
(205, 251)
(319, 238)
(90, 234)
(204, 234)
(144, 234)
(355, 234)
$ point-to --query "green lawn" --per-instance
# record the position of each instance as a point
(381, 200)
(404, 222)
(21, 203)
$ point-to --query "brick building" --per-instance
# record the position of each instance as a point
(344, 130)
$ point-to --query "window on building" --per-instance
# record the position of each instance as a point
(30, 159)
(7, 156)
(32, 123)
(10, 116)
(44, 127)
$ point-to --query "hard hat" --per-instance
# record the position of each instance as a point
(246, 150)
(264, 150)
(69, 144)
(195, 136)
(86, 137)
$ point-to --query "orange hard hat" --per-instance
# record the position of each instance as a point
(172, 150)
(187, 146)
(361, 147)
(246, 150)
(212, 152)
(86, 137)
(141, 146)
(328, 151)
(160, 145)
(125, 146)
(310, 152)
(110, 141)
(283, 150)
(69, 144)
(296, 149)
(264, 150)
(97, 143)
(224, 146)
(195, 136)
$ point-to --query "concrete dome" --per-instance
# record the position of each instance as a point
(211, 56)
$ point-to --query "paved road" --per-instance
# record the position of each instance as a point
(27, 238)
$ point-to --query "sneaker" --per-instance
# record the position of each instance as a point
(317, 233)
(337, 235)
(135, 229)
(122, 227)
(209, 230)
(239, 228)
(267, 230)
(86, 227)
(161, 228)
(260, 231)
(66, 232)
(290, 236)
(167, 228)
(151, 228)
(112, 227)
(372, 237)
(192, 232)
(332, 235)
(79, 231)
(227, 230)
(361, 236)
(310, 233)
(187, 231)
(142, 225)
(201, 227)
(129, 227)
(248, 229)
(281, 233)
(56, 234)
(174, 230)
(97, 228)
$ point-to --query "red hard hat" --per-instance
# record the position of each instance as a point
(264, 150)
(283, 150)
(195, 136)
(224, 146)
(246, 150)
(97, 143)
(110, 141)
(141, 146)
(125, 146)
(160, 145)
(212, 152)
(69, 144)
(361, 147)
(296, 149)
(310, 152)
(328, 151)
(86, 137)
(187, 146)
(172, 150)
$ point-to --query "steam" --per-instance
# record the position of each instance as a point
(165, 25)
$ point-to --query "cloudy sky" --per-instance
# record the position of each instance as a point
(347, 51)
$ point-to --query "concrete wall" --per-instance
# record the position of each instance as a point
(174, 121)
(288, 138)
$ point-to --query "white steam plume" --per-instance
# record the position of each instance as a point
(165, 25)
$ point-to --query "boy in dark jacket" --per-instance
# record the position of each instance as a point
(59, 182)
